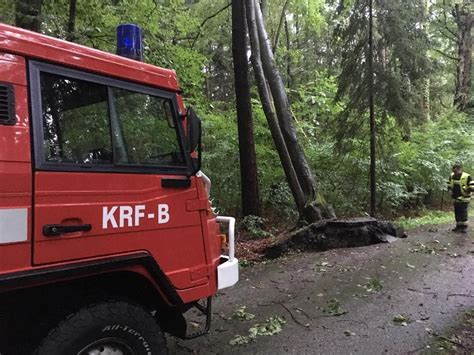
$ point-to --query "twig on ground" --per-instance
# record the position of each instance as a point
(458, 295)
(303, 312)
(306, 326)
(424, 292)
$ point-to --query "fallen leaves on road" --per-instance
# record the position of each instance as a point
(322, 266)
(334, 308)
(242, 314)
(240, 340)
(449, 343)
(272, 326)
(373, 285)
(343, 269)
(401, 319)
(470, 317)
(422, 248)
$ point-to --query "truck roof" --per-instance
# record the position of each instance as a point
(48, 49)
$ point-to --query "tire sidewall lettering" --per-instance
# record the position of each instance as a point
(126, 329)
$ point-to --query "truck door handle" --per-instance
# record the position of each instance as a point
(58, 229)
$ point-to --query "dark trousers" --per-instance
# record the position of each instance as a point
(460, 213)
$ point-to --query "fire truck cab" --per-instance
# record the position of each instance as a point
(107, 236)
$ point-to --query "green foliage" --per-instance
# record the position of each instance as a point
(242, 314)
(220, 159)
(374, 285)
(322, 58)
(272, 326)
(334, 308)
(401, 319)
(428, 217)
(254, 225)
(7, 11)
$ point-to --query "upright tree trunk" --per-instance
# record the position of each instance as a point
(71, 24)
(265, 98)
(464, 20)
(370, 68)
(426, 100)
(28, 14)
(248, 160)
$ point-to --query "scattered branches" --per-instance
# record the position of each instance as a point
(201, 26)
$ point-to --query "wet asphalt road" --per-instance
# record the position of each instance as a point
(428, 277)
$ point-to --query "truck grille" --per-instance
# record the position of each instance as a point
(7, 110)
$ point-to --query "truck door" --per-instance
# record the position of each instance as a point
(15, 165)
(111, 174)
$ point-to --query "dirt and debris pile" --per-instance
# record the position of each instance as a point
(338, 233)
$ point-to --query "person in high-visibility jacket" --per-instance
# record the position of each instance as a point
(461, 186)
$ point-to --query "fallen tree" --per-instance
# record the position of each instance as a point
(333, 234)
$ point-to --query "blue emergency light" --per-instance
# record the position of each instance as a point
(129, 41)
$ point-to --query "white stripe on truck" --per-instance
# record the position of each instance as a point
(13, 225)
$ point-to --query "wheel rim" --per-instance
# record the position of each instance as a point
(107, 346)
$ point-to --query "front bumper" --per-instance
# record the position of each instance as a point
(228, 270)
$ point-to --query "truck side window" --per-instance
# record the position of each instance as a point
(84, 120)
(75, 121)
(143, 131)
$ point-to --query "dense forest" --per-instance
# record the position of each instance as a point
(413, 58)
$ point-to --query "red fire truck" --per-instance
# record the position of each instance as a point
(107, 236)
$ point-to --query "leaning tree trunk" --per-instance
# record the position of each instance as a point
(464, 20)
(248, 160)
(285, 118)
(282, 107)
(28, 13)
(280, 24)
(289, 80)
(310, 209)
(269, 112)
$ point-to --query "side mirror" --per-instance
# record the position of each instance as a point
(194, 139)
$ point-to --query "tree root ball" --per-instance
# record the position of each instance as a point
(336, 233)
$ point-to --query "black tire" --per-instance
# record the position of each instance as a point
(106, 326)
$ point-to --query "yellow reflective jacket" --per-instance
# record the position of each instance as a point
(466, 185)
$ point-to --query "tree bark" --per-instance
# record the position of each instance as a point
(285, 117)
(264, 7)
(28, 14)
(370, 68)
(248, 160)
(71, 24)
(280, 24)
(309, 210)
(464, 20)
(289, 80)
(265, 98)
